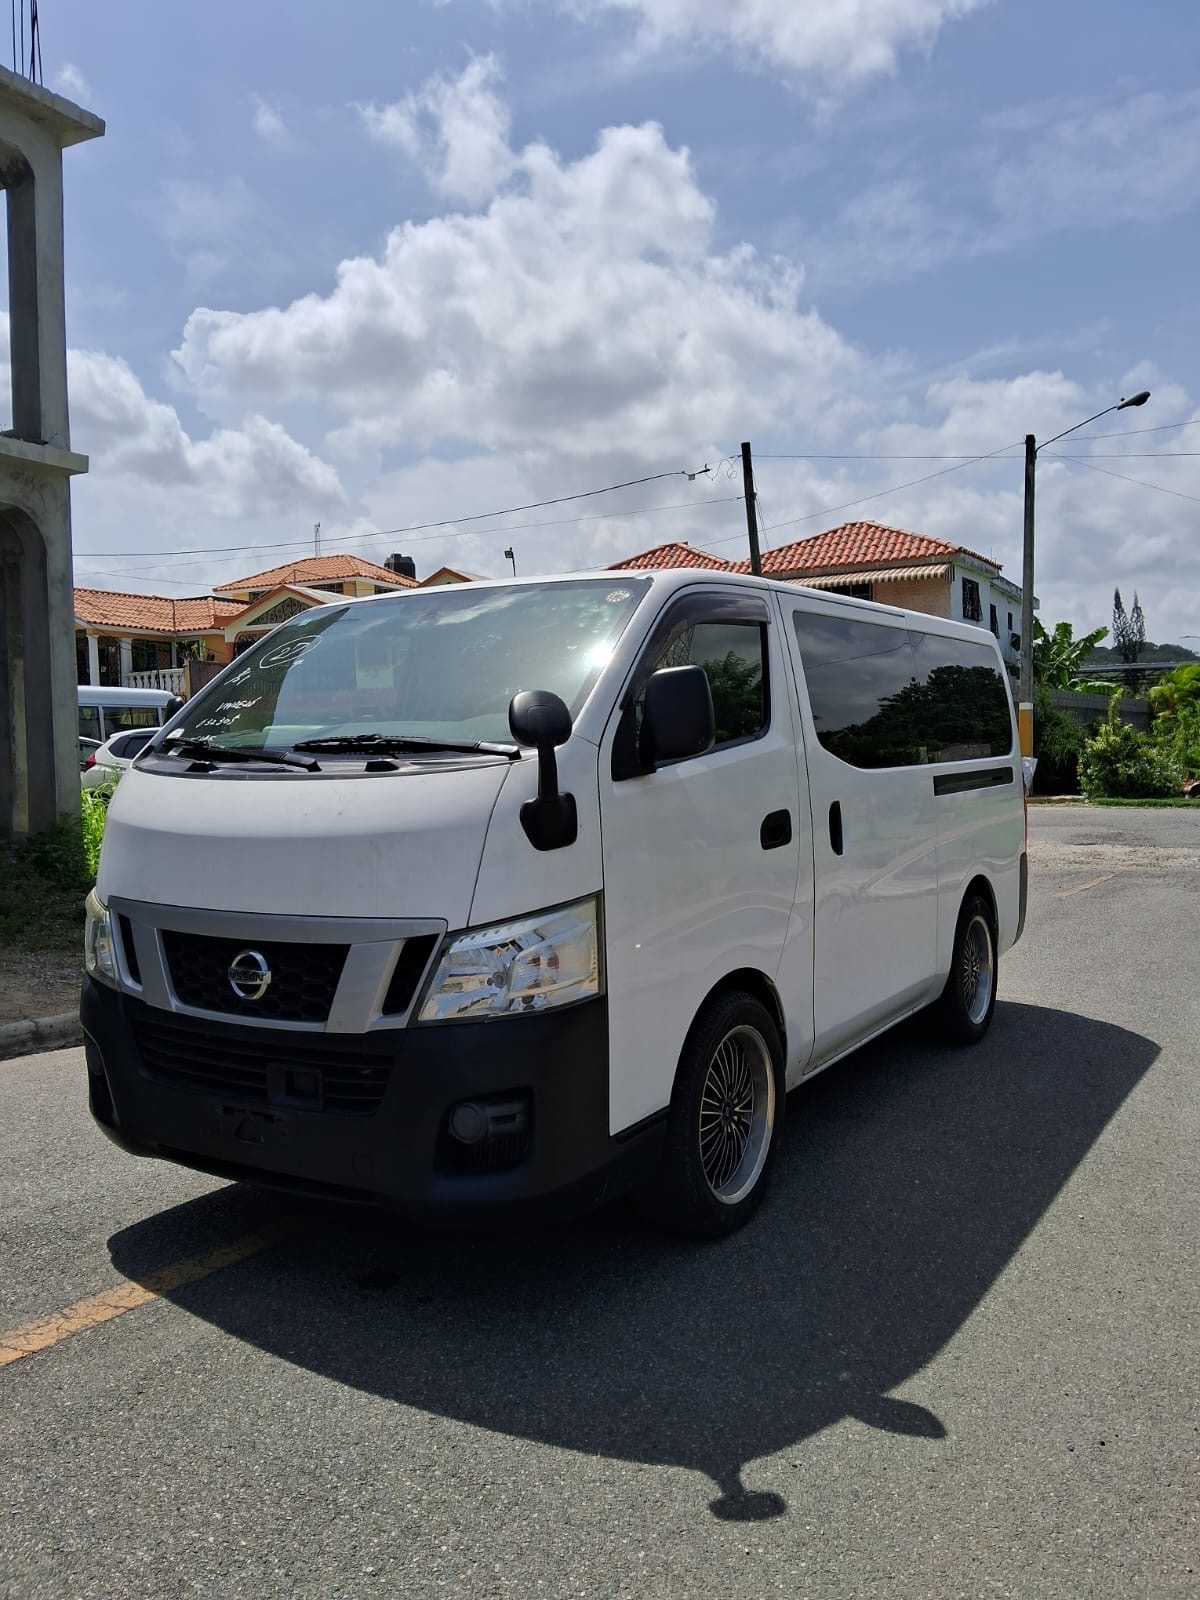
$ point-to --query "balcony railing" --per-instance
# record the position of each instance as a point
(168, 678)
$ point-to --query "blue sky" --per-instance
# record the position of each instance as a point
(442, 258)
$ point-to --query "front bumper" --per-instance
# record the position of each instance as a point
(248, 1102)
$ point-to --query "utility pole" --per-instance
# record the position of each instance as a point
(751, 515)
(316, 538)
(1025, 708)
(1025, 693)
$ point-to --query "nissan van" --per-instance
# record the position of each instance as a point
(468, 898)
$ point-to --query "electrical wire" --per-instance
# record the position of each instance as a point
(879, 494)
(1162, 427)
(512, 527)
(416, 527)
(1125, 478)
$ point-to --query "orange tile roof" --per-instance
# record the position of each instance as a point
(858, 544)
(318, 569)
(153, 613)
(674, 554)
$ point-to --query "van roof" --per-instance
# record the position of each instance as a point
(91, 695)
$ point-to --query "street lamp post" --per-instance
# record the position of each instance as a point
(1025, 708)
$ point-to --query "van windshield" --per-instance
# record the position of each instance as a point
(442, 664)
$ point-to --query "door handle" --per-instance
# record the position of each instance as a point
(835, 827)
(776, 830)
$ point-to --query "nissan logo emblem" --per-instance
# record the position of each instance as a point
(249, 975)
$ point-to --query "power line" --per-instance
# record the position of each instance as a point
(1128, 433)
(814, 456)
(1125, 478)
(417, 527)
(880, 494)
(512, 527)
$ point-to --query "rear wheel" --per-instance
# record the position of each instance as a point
(725, 1120)
(964, 1011)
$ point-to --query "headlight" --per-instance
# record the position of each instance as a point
(518, 967)
(99, 954)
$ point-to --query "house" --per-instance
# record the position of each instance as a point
(341, 575)
(895, 567)
(445, 575)
(143, 640)
(672, 554)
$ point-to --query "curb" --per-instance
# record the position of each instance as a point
(43, 1033)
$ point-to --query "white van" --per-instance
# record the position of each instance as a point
(487, 894)
(104, 712)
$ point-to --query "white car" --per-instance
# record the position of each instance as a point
(107, 762)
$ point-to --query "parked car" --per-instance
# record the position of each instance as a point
(106, 711)
(107, 761)
(87, 748)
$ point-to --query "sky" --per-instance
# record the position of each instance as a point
(381, 266)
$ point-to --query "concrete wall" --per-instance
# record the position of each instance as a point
(39, 760)
(1088, 708)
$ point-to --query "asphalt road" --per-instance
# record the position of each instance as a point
(956, 1355)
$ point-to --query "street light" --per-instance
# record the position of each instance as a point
(510, 556)
(1025, 709)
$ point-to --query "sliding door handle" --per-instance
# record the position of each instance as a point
(776, 830)
(835, 827)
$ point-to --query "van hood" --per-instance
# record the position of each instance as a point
(397, 845)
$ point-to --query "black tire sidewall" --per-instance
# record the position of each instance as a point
(956, 1024)
(682, 1197)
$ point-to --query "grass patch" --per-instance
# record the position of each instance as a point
(1178, 803)
(43, 883)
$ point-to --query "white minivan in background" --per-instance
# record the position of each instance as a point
(104, 712)
(473, 897)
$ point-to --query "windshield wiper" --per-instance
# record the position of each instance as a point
(382, 743)
(208, 751)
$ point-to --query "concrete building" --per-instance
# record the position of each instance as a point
(39, 756)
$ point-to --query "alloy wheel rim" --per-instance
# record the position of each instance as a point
(737, 1114)
(978, 969)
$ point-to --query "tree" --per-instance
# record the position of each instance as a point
(1058, 656)
(1129, 631)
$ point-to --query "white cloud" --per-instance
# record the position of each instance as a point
(69, 81)
(236, 472)
(269, 124)
(454, 129)
(823, 44)
(201, 220)
(585, 313)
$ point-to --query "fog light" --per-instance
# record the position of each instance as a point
(469, 1122)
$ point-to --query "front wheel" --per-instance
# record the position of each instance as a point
(964, 1011)
(725, 1120)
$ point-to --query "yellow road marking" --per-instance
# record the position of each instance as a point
(1080, 887)
(44, 1332)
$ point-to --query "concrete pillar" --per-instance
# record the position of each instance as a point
(93, 650)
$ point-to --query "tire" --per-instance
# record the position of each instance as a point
(964, 1011)
(725, 1123)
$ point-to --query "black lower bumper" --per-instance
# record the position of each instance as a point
(245, 1102)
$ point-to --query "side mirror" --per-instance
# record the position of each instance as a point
(175, 704)
(678, 719)
(540, 719)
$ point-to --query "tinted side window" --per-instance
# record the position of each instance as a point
(733, 655)
(862, 688)
(127, 745)
(89, 722)
(118, 718)
(964, 698)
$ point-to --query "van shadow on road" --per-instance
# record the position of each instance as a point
(910, 1176)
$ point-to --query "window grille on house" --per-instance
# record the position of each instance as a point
(993, 621)
(972, 606)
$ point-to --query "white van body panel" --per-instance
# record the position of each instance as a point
(402, 844)
(691, 896)
(514, 878)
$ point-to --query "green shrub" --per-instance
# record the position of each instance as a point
(1120, 763)
(95, 810)
(1058, 739)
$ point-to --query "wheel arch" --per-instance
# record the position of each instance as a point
(981, 886)
(747, 980)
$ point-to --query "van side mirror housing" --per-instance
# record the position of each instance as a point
(541, 720)
(174, 705)
(678, 719)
